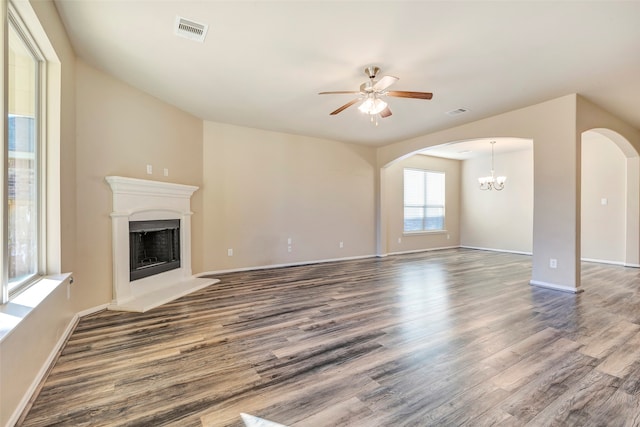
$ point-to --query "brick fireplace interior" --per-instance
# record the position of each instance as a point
(154, 247)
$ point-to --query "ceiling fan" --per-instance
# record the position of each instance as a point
(372, 92)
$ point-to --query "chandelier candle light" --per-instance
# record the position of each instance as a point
(491, 182)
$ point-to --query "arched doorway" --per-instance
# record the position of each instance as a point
(555, 127)
(609, 199)
(492, 220)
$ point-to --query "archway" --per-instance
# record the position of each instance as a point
(492, 220)
(555, 126)
(552, 127)
(610, 198)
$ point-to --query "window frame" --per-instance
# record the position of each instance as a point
(15, 21)
(424, 206)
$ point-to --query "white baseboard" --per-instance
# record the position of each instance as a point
(555, 287)
(414, 251)
(497, 250)
(43, 371)
(292, 264)
(603, 261)
(48, 363)
(92, 310)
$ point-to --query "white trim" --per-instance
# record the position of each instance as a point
(423, 232)
(413, 251)
(48, 363)
(92, 310)
(291, 264)
(321, 261)
(603, 261)
(631, 265)
(26, 302)
(44, 369)
(555, 287)
(144, 187)
(4, 155)
(28, 26)
(497, 250)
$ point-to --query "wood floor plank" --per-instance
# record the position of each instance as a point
(579, 402)
(534, 396)
(621, 359)
(448, 337)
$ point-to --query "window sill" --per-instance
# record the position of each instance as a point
(18, 308)
(418, 233)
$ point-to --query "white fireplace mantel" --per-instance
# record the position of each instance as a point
(142, 200)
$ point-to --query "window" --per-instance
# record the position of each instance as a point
(423, 200)
(22, 203)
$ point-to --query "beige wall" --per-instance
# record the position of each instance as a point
(395, 201)
(603, 177)
(498, 220)
(262, 188)
(119, 131)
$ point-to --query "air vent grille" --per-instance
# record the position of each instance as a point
(457, 111)
(190, 29)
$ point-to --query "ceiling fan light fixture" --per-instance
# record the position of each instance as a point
(370, 93)
(372, 106)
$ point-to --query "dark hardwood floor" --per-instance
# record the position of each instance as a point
(451, 337)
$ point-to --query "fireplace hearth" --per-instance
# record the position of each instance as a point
(151, 227)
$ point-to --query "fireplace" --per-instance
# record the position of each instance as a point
(154, 247)
(151, 227)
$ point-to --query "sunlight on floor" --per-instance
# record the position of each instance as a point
(251, 421)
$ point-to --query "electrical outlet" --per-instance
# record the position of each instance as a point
(399, 239)
(229, 252)
(341, 245)
(149, 169)
(289, 241)
(289, 249)
(553, 263)
(166, 172)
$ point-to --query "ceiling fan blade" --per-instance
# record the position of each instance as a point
(405, 94)
(385, 113)
(384, 83)
(338, 92)
(345, 106)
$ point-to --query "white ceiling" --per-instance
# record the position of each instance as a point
(263, 62)
(464, 150)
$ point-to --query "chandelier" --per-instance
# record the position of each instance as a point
(492, 182)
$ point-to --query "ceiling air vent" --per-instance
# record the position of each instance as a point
(457, 111)
(190, 29)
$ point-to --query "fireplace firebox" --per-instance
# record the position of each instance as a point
(154, 247)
